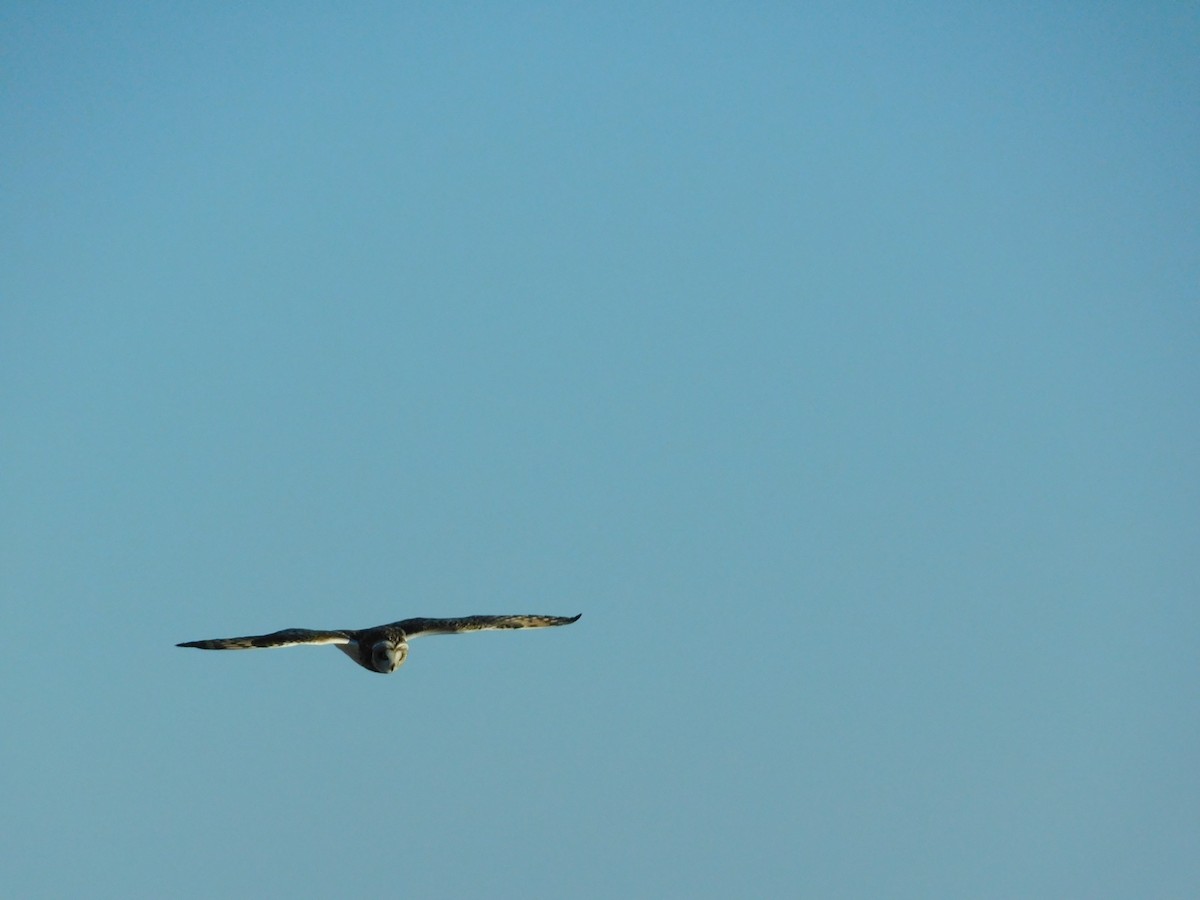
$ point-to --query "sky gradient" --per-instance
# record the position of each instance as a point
(840, 365)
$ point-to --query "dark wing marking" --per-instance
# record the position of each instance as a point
(420, 627)
(289, 637)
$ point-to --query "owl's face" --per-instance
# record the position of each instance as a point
(387, 657)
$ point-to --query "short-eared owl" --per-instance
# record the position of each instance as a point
(383, 648)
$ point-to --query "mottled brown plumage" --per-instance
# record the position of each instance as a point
(383, 648)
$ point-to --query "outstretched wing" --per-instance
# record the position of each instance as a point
(420, 627)
(289, 637)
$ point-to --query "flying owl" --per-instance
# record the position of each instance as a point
(384, 648)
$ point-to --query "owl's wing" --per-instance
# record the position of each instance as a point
(289, 637)
(421, 627)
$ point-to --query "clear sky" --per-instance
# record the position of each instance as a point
(840, 363)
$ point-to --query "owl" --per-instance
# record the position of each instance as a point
(384, 648)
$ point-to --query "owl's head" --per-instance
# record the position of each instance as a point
(387, 657)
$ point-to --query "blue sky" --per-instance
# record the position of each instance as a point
(839, 364)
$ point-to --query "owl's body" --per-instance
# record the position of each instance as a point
(384, 648)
